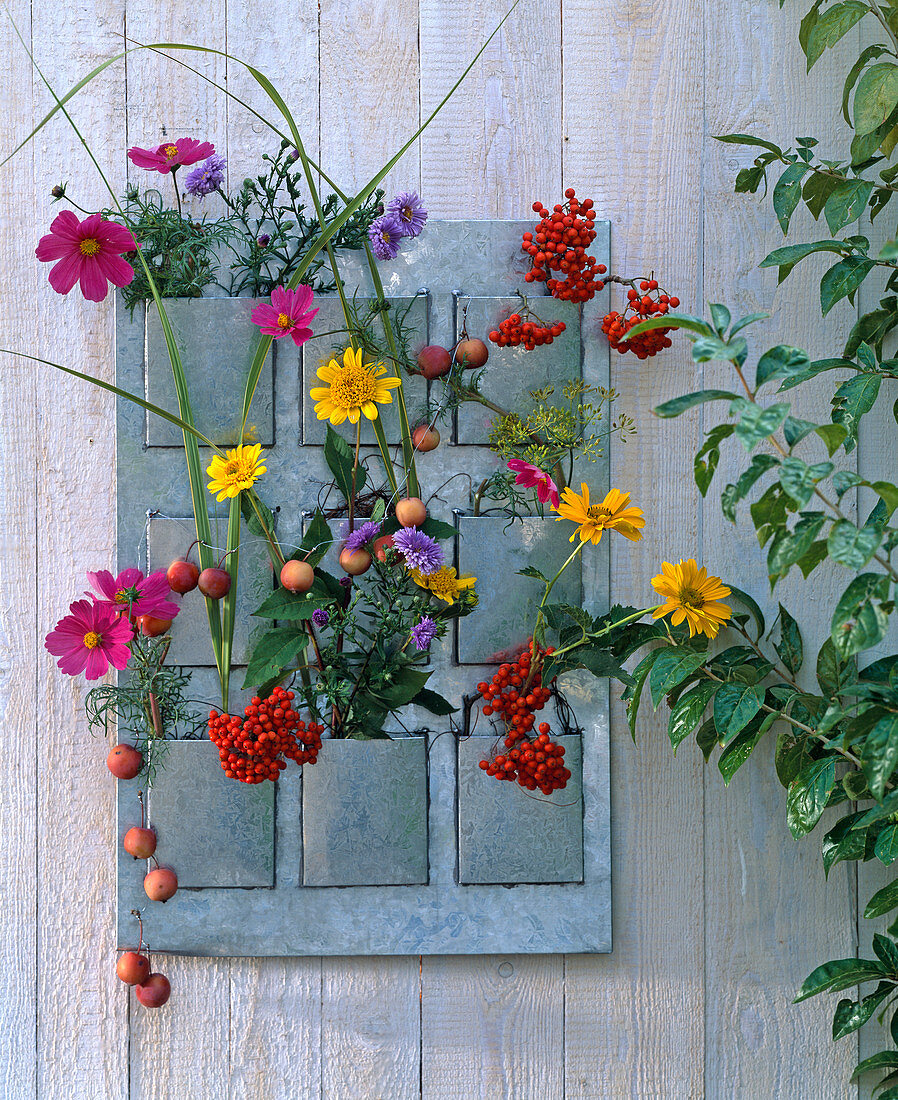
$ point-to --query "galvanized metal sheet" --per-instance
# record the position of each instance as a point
(364, 814)
(212, 831)
(507, 834)
(453, 261)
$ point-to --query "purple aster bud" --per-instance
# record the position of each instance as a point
(293, 154)
(408, 209)
(206, 177)
(385, 234)
(420, 551)
(320, 617)
(263, 240)
(424, 632)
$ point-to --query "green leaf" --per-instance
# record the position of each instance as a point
(876, 97)
(833, 435)
(844, 480)
(433, 702)
(852, 546)
(791, 254)
(832, 25)
(756, 423)
(859, 620)
(873, 327)
(883, 901)
(843, 279)
(885, 1059)
(748, 139)
(833, 673)
(706, 738)
(406, 687)
(886, 847)
(751, 604)
(679, 405)
(340, 460)
(704, 470)
(532, 571)
(886, 950)
(787, 547)
(748, 319)
(632, 695)
(853, 399)
(868, 55)
(813, 369)
(671, 668)
(720, 317)
(735, 704)
(789, 647)
(687, 712)
(732, 494)
(879, 754)
(782, 361)
(787, 193)
(274, 652)
(797, 478)
(839, 974)
(844, 842)
(887, 492)
(438, 528)
(847, 203)
(850, 1015)
(316, 541)
(740, 749)
(808, 795)
(290, 606)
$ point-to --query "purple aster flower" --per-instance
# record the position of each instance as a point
(424, 632)
(356, 539)
(408, 209)
(420, 551)
(320, 617)
(385, 234)
(206, 177)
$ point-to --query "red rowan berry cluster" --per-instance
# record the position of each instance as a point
(514, 330)
(271, 733)
(640, 306)
(560, 243)
(514, 694)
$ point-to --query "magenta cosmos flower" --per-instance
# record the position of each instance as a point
(90, 639)
(288, 314)
(89, 252)
(171, 154)
(131, 590)
(532, 477)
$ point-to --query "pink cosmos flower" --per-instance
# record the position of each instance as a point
(532, 477)
(89, 251)
(171, 154)
(131, 590)
(90, 639)
(288, 314)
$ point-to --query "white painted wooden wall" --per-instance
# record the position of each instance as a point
(718, 914)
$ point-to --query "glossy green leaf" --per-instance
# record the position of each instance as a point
(706, 738)
(671, 668)
(859, 620)
(316, 541)
(735, 704)
(879, 754)
(789, 647)
(852, 546)
(883, 901)
(844, 843)
(780, 362)
(632, 694)
(850, 1015)
(687, 712)
(791, 254)
(886, 847)
(756, 423)
(751, 603)
(842, 280)
(808, 795)
(690, 401)
(853, 399)
(740, 749)
(840, 974)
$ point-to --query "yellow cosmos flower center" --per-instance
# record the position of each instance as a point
(91, 639)
(170, 151)
(122, 596)
(284, 320)
(353, 387)
(89, 246)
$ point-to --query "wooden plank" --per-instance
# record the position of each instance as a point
(19, 628)
(634, 1019)
(769, 913)
(75, 532)
(370, 1028)
(493, 149)
(492, 1026)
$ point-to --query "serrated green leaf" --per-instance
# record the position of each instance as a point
(532, 571)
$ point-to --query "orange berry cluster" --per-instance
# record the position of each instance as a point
(514, 695)
(271, 733)
(514, 331)
(640, 306)
(559, 243)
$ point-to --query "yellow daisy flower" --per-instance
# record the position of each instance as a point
(351, 389)
(236, 472)
(445, 584)
(613, 514)
(691, 595)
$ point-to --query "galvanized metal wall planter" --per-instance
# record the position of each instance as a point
(382, 847)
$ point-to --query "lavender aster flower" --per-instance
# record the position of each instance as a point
(424, 632)
(320, 617)
(408, 209)
(420, 551)
(356, 539)
(206, 177)
(385, 234)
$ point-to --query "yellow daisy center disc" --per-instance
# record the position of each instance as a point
(91, 639)
(690, 597)
(89, 246)
(597, 511)
(353, 387)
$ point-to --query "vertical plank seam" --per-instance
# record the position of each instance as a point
(37, 773)
(302, 440)
(700, 279)
(128, 1020)
(420, 991)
